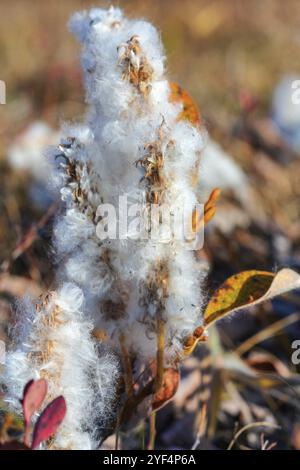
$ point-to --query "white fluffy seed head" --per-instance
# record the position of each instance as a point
(132, 145)
(59, 347)
(131, 125)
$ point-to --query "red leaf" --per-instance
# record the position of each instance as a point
(49, 421)
(27, 387)
(33, 396)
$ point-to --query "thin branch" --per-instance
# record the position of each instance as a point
(249, 426)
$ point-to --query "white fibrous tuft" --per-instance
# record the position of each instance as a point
(132, 145)
(26, 152)
(54, 342)
(136, 147)
(124, 287)
(220, 170)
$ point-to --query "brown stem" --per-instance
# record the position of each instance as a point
(152, 431)
(128, 378)
(160, 355)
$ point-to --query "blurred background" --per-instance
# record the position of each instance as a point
(237, 59)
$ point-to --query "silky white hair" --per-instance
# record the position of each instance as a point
(115, 286)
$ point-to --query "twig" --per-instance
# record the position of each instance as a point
(128, 376)
(29, 237)
(201, 427)
(249, 426)
(19, 286)
(151, 444)
(160, 355)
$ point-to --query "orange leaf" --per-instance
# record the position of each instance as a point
(169, 388)
(190, 110)
(209, 211)
(192, 341)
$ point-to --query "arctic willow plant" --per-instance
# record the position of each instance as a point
(130, 299)
(132, 144)
(125, 311)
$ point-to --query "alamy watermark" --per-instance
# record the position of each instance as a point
(296, 354)
(2, 92)
(2, 352)
(295, 98)
(159, 223)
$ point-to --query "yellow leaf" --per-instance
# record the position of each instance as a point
(246, 289)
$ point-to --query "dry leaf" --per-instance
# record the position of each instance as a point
(246, 289)
(190, 110)
(209, 211)
(170, 384)
(240, 291)
(267, 362)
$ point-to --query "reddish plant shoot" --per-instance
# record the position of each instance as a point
(33, 396)
(49, 421)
